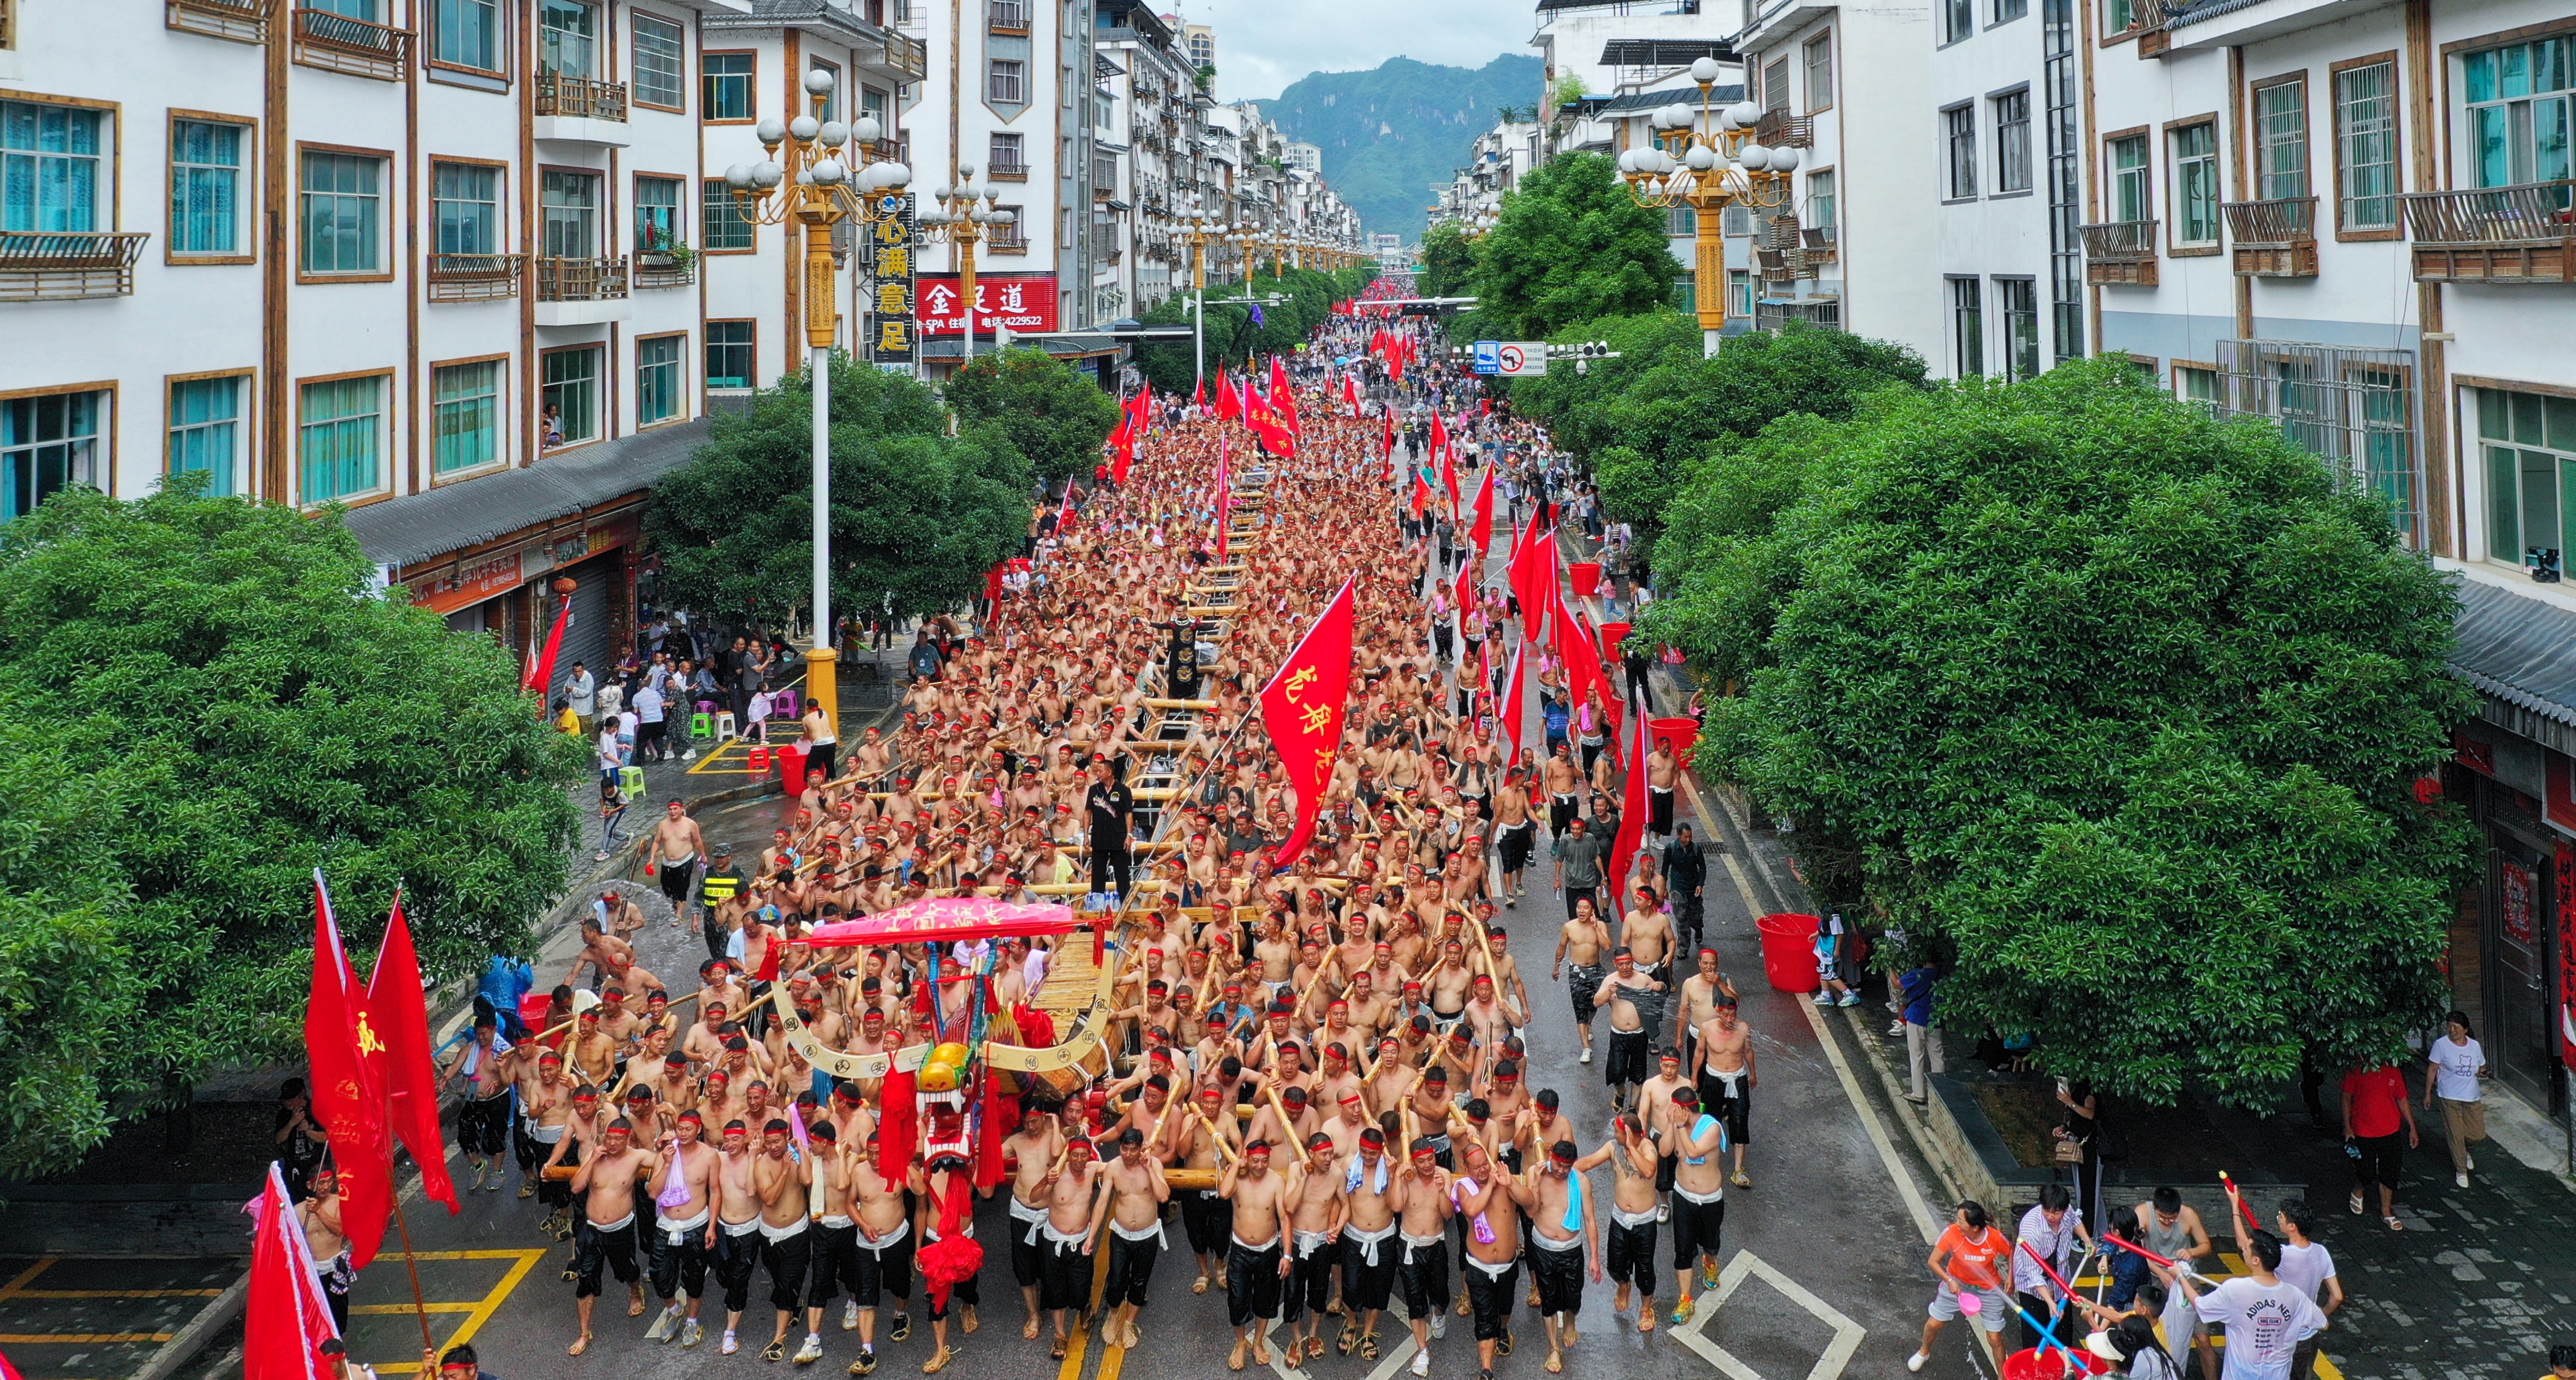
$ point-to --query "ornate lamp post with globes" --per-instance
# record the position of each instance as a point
(815, 188)
(1706, 159)
(960, 217)
(1201, 228)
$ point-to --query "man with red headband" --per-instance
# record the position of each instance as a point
(1424, 1206)
(684, 1183)
(1255, 1264)
(1076, 1194)
(606, 1184)
(1565, 1244)
(1135, 1224)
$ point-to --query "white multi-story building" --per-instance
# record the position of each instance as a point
(468, 268)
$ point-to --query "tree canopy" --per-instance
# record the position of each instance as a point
(916, 514)
(1052, 415)
(1448, 262)
(237, 709)
(1571, 245)
(2115, 706)
(1233, 337)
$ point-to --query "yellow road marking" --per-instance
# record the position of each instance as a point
(483, 1309)
(69, 1338)
(117, 1293)
(18, 1286)
(456, 1255)
(405, 1309)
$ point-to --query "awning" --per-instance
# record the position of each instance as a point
(451, 517)
(2523, 652)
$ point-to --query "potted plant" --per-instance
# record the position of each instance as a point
(656, 250)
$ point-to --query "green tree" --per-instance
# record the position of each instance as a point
(1572, 244)
(2118, 705)
(237, 708)
(916, 513)
(1448, 262)
(1054, 416)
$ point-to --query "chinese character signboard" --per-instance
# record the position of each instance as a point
(1022, 304)
(891, 300)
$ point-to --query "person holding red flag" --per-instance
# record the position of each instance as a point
(1302, 709)
(397, 1003)
(344, 1051)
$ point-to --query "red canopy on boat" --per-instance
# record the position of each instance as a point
(948, 917)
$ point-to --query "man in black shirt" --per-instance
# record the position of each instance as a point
(1685, 877)
(1110, 805)
(721, 883)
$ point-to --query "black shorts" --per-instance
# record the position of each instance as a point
(677, 878)
(786, 1262)
(1366, 1287)
(1560, 813)
(483, 1124)
(1559, 1276)
(1131, 1268)
(1065, 1282)
(1695, 1229)
(2383, 1159)
(836, 1260)
(1632, 1255)
(1583, 984)
(1516, 845)
(1028, 1253)
(593, 1248)
(884, 1270)
(1310, 1280)
(735, 1257)
(1628, 1062)
(1205, 1218)
(680, 1267)
(1424, 1273)
(1664, 1166)
(1659, 811)
(1251, 1283)
(1489, 1298)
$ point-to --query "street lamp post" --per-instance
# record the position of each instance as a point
(1200, 228)
(960, 216)
(818, 194)
(1706, 159)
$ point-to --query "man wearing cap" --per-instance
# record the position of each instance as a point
(1135, 1225)
(717, 890)
(1566, 1244)
(1255, 1264)
(607, 1233)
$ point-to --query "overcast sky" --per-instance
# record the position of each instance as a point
(1263, 45)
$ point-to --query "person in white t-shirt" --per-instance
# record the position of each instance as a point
(2457, 1061)
(2305, 1265)
(2266, 1318)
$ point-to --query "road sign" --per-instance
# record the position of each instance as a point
(1514, 359)
(1489, 356)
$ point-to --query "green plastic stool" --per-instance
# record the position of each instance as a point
(631, 781)
(702, 725)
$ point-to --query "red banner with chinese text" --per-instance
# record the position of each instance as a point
(1303, 707)
(1022, 304)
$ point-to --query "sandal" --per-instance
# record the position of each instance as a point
(1743, 1180)
(1646, 1319)
(578, 1347)
(2393, 1223)
(1503, 1345)
(1555, 1363)
(1368, 1346)
(1234, 1360)
(1200, 1287)
(775, 1351)
(1350, 1336)
(938, 1361)
(2354, 1203)
(1055, 1350)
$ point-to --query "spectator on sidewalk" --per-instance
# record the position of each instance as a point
(1922, 1044)
(584, 694)
(2376, 1115)
(2453, 1067)
(923, 658)
(2049, 1230)
(1967, 1259)
(2304, 1264)
(649, 709)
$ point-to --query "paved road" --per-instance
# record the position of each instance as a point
(1824, 1254)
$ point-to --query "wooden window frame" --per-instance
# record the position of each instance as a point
(248, 420)
(387, 219)
(752, 77)
(1833, 78)
(2111, 171)
(2254, 128)
(2138, 23)
(429, 416)
(2507, 37)
(2396, 137)
(115, 198)
(607, 209)
(429, 227)
(248, 201)
(604, 404)
(632, 86)
(635, 203)
(2175, 248)
(384, 458)
(115, 419)
(707, 390)
(635, 358)
(701, 246)
(482, 78)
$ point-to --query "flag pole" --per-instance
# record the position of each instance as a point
(411, 1262)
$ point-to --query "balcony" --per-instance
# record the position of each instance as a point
(474, 277)
(243, 21)
(2519, 234)
(1007, 172)
(2120, 253)
(660, 270)
(578, 110)
(1008, 16)
(1780, 129)
(62, 265)
(353, 47)
(2275, 238)
(580, 292)
(1771, 315)
(1816, 248)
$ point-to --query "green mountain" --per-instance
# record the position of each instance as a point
(1388, 134)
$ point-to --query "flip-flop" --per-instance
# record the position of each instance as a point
(579, 1346)
(1555, 1364)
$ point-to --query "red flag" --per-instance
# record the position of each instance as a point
(1302, 708)
(1227, 404)
(1483, 525)
(1198, 398)
(1283, 395)
(1421, 495)
(543, 675)
(1351, 393)
(1574, 647)
(287, 1319)
(1632, 816)
(1466, 587)
(1448, 471)
(1534, 577)
(1224, 491)
(341, 1046)
(399, 1014)
(1511, 715)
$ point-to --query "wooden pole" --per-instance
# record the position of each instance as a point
(412, 1263)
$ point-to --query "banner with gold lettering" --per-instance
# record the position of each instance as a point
(1303, 706)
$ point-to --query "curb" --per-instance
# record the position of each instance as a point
(184, 1344)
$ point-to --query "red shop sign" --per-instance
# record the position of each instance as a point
(471, 583)
(1022, 304)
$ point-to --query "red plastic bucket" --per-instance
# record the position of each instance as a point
(1683, 732)
(1789, 951)
(1587, 578)
(791, 767)
(2049, 1363)
(1612, 634)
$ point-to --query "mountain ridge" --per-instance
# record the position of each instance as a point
(1389, 132)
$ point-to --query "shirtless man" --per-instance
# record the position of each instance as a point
(1032, 1151)
(1208, 1133)
(611, 961)
(1423, 1201)
(1515, 837)
(1486, 1192)
(1625, 993)
(1368, 1245)
(674, 847)
(1662, 770)
(885, 1252)
(685, 1188)
(1562, 1221)
(1135, 1224)
(838, 1261)
(1255, 1263)
(1699, 1196)
(1075, 1194)
(1564, 782)
(320, 1215)
(1655, 1109)
(1579, 948)
(783, 1187)
(738, 1227)
(1701, 992)
(1315, 1222)
(1726, 1077)
(482, 1122)
(607, 1235)
(1634, 1167)
(545, 1103)
(1648, 933)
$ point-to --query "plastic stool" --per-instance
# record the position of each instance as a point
(702, 725)
(631, 781)
(784, 705)
(725, 728)
(760, 761)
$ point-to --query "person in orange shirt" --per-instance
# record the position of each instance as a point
(1968, 1260)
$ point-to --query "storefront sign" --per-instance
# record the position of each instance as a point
(892, 287)
(1022, 304)
(489, 577)
(2567, 952)
(2519, 889)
